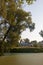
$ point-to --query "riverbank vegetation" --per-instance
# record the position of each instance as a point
(26, 50)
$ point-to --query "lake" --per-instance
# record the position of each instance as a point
(22, 59)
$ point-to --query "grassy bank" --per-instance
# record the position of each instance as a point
(26, 50)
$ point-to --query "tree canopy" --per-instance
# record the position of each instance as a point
(14, 20)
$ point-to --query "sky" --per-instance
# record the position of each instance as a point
(36, 10)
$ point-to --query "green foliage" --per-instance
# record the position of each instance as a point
(41, 33)
(18, 19)
(30, 1)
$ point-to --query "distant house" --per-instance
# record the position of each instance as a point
(23, 43)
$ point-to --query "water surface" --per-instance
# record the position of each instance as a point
(22, 59)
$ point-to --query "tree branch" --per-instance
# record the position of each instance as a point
(6, 33)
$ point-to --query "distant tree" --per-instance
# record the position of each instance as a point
(13, 20)
(35, 44)
(41, 33)
(26, 40)
(40, 44)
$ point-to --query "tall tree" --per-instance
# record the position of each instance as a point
(13, 20)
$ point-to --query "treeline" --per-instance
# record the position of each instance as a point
(26, 50)
(26, 42)
(24, 46)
